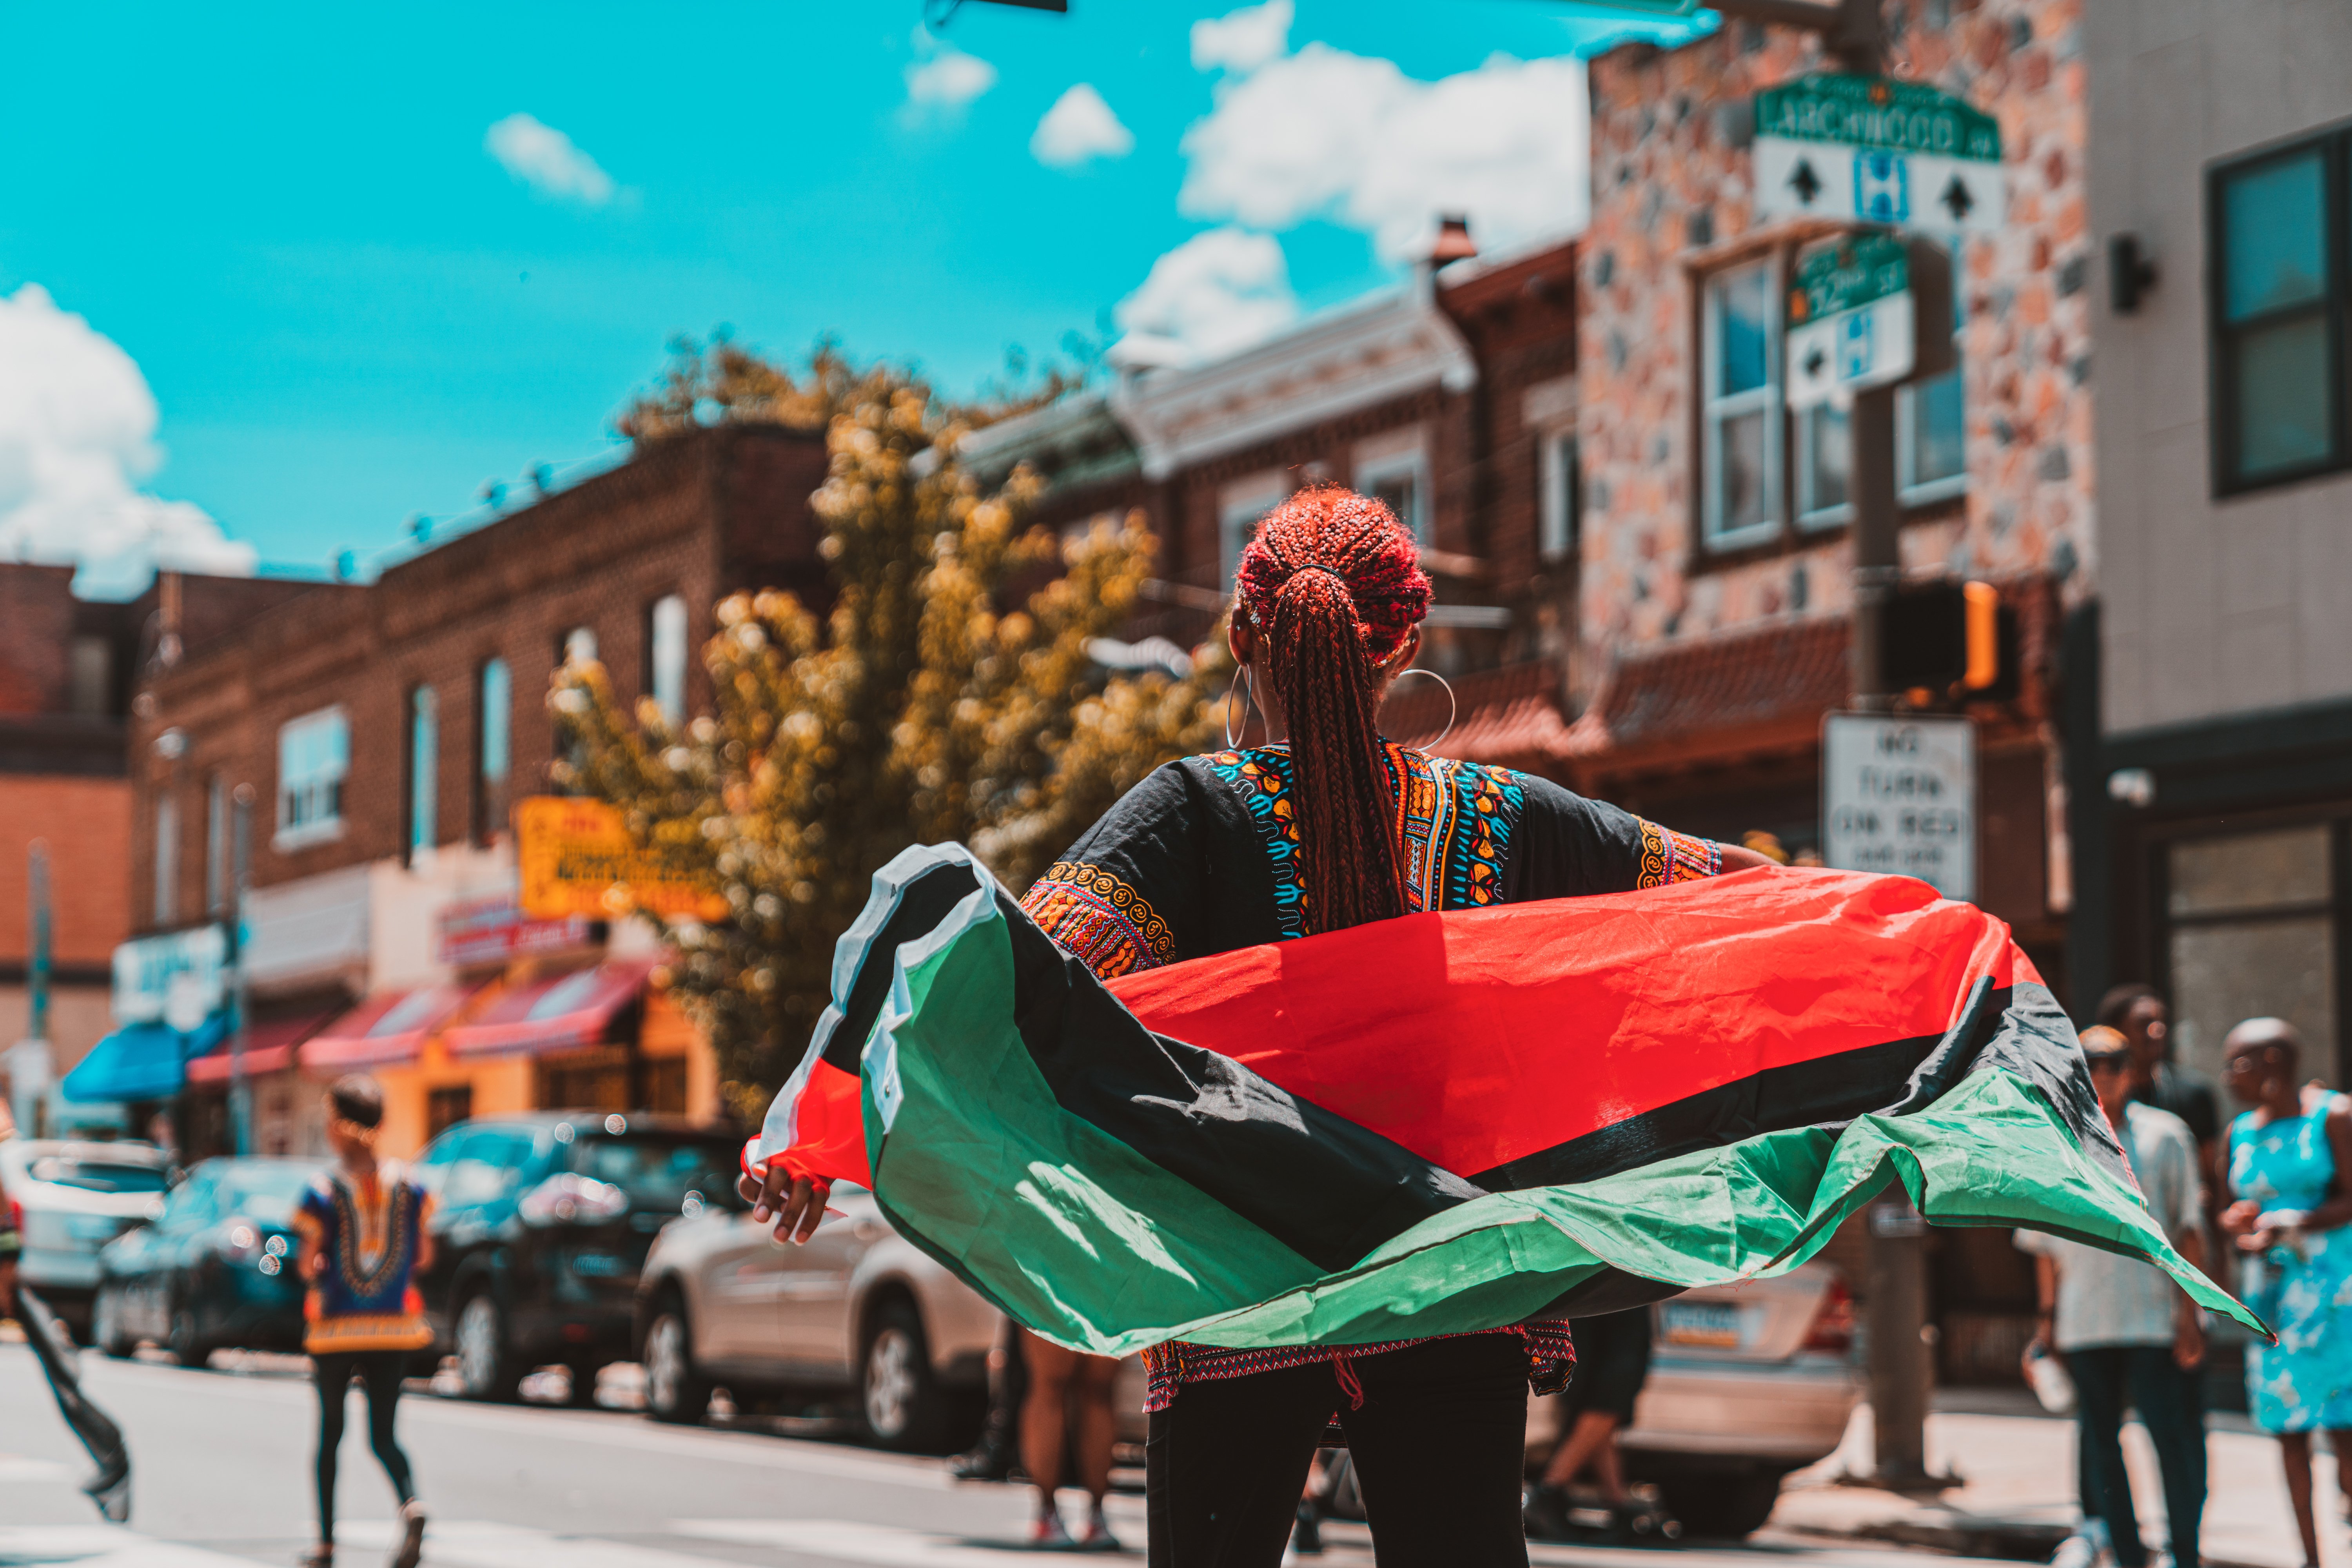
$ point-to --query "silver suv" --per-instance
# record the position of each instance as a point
(71, 1199)
(856, 1313)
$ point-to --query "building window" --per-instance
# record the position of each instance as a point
(1563, 496)
(1740, 406)
(167, 856)
(314, 753)
(578, 646)
(1398, 479)
(493, 711)
(666, 658)
(216, 846)
(1824, 466)
(1931, 460)
(423, 770)
(446, 1107)
(2253, 927)
(90, 676)
(1239, 507)
(2278, 304)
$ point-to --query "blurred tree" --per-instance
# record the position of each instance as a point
(919, 707)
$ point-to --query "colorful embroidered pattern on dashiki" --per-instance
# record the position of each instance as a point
(2304, 1383)
(366, 1297)
(1204, 857)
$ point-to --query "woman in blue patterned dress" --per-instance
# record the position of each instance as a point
(2287, 1212)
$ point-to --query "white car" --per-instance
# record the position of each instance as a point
(858, 1313)
(1746, 1383)
(71, 1199)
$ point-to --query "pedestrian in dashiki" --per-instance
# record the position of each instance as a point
(2127, 1333)
(1325, 826)
(2288, 1203)
(364, 1245)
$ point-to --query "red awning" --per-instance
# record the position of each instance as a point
(553, 1015)
(268, 1048)
(387, 1028)
(1508, 717)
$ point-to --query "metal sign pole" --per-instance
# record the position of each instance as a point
(240, 1087)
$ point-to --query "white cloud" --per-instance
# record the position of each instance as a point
(1079, 128)
(77, 435)
(943, 81)
(1216, 294)
(1240, 41)
(548, 161)
(1324, 134)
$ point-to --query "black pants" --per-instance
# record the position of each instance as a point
(380, 1371)
(2171, 1405)
(1437, 1445)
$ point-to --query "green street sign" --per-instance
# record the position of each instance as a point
(1858, 149)
(1849, 276)
(1851, 324)
(1880, 115)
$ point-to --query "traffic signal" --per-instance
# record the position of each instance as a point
(1951, 641)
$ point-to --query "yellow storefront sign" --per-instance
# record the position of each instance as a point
(577, 858)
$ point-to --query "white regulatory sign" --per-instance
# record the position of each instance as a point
(1899, 795)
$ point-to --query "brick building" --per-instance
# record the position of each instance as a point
(385, 731)
(1715, 558)
(67, 668)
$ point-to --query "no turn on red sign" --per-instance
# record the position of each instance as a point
(1899, 795)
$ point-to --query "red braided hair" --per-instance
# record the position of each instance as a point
(1332, 585)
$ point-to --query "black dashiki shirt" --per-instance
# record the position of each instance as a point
(1201, 857)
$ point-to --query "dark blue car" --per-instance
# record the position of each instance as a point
(217, 1269)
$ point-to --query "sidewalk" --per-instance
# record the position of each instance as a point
(2016, 1496)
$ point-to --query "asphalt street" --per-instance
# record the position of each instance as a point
(221, 1477)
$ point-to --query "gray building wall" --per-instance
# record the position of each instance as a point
(2212, 607)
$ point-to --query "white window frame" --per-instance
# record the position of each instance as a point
(1379, 461)
(1557, 530)
(1715, 408)
(1239, 507)
(667, 653)
(424, 774)
(323, 827)
(1814, 519)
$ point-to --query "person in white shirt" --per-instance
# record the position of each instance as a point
(2127, 1334)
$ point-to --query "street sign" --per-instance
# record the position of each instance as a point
(1860, 149)
(1898, 795)
(575, 856)
(179, 978)
(1852, 323)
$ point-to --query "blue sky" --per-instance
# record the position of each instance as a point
(348, 311)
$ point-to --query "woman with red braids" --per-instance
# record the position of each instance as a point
(1329, 826)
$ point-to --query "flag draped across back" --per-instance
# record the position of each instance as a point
(1442, 1122)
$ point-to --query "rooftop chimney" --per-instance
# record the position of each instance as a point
(1453, 241)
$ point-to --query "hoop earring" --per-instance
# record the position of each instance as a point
(1453, 703)
(1247, 686)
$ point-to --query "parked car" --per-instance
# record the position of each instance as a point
(540, 1225)
(858, 1313)
(1747, 1383)
(215, 1271)
(70, 1199)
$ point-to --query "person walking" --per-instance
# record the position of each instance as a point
(2127, 1333)
(2289, 1199)
(1612, 1362)
(2136, 1012)
(363, 1223)
(1324, 827)
(1059, 1379)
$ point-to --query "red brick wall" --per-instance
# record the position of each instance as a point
(87, 824)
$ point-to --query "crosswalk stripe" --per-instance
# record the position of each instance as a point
(108, 1546)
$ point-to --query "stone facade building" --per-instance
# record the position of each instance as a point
(1715, 561)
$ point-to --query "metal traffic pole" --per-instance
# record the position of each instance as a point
(240, 1087)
